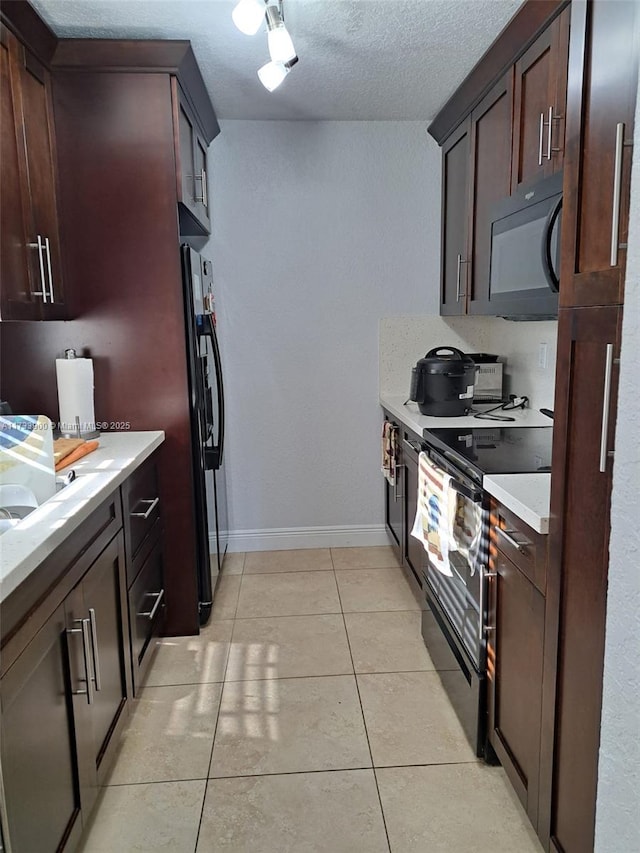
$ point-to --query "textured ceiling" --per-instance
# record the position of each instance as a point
(359, 59)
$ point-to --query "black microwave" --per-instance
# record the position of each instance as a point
(525, 252)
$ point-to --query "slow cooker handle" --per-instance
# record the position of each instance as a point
(437, 350)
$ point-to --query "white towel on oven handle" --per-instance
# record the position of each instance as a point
(432, 523)
(466, 528)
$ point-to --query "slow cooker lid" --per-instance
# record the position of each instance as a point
(447, 361)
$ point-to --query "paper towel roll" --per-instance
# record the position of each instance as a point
(75, 396)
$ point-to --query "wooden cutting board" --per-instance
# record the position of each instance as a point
(64, 446)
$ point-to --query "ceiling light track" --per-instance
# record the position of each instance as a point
(247, 16)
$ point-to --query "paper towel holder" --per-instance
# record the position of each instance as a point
(78, 432)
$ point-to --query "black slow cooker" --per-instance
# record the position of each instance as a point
(442, 382)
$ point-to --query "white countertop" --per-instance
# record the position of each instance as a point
(410, 416)
(24, 547)
(526, 495)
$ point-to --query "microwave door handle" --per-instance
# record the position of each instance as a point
(547, 259)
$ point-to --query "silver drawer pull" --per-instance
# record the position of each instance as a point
(84, 630)
(153, 503)
(606, 401)
(94, 645)
(150, 614)
(617, 182)
(508, 537)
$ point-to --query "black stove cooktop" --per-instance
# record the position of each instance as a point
(495, 450)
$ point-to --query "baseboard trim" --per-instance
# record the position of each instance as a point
(291, 538)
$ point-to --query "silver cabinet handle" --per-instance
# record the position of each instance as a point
(484, 576)
(150, 614)
(202, 177)
(540, 140)
(84, 630)
(153, 503)
(606, 398)
(48, 251)
(396, 496)
(507, 535)
(459, 293)
(40, 247)
(94, 646)
(550, 149)
(617, 181)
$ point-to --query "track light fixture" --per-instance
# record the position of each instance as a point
(247, 16)
(273, 73)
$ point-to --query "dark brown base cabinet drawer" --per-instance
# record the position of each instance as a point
(146, 612)
(141, 509)
(521, 544)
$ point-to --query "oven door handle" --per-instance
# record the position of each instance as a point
(473, 494)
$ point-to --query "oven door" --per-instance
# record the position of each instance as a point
(461, 596)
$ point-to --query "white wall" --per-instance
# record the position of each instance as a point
(320, 229)
(618, 816)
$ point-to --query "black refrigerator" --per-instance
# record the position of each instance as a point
(206, 392)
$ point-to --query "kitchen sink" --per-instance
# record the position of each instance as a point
(17, 501)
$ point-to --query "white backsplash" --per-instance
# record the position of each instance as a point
(403, 340)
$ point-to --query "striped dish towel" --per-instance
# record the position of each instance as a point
(389, 451)
(432, 524)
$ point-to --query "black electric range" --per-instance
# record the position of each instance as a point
(494, 450)
(454, 622)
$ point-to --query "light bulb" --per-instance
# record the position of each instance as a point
(272, 74)
(248, 15)
(281, 47)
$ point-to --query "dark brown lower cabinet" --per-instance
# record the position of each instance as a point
(64, 703)
(394, 505)
(98, 664)
(515, 654)
(147, 609)
(414, 555)
(41, 782)
(584, 428)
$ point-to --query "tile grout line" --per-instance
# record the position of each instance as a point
(301, 773)
(364, 721)
(215, 728)
(293, 677)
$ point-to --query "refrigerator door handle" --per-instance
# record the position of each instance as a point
(218, 449)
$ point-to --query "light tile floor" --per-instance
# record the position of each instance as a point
(305, 718)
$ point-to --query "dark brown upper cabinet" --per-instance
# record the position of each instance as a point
(490, 180)
(455, 205)
(476, 174)
(31, 264)
(191, 167)
(603, 78)
(500, 132)
(540, 92)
